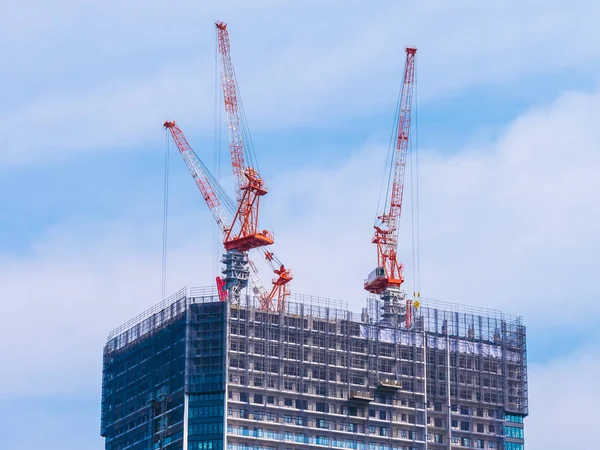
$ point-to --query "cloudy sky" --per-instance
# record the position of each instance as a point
(508, 138)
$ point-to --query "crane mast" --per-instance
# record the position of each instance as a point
(387, 278)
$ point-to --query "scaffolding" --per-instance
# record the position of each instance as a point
(448, 379)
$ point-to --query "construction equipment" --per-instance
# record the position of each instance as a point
(221, 207)
(387, 278)
(249, 186)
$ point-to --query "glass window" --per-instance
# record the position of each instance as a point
(513, 432)
(513, 418)
(513, 446)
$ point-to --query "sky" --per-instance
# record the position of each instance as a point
(506, 113)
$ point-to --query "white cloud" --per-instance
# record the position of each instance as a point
(116, 117)
(296, 65)
(65, 424)
(566, 392)
(77, 284)
(510, 226)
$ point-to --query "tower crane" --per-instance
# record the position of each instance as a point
(249, 186)
(387, 278)
(222, 207)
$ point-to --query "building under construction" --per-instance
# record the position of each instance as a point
(242, 367)
(199, 373)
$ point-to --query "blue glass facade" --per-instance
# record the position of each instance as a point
(142, 391)
(205, 381)
(168, 366)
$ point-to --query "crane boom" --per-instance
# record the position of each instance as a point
(388, 272)
(195, 167)
(230, 97)
(249, 186)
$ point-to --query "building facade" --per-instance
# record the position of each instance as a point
(199, 374)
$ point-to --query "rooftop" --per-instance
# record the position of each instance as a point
(462, 320)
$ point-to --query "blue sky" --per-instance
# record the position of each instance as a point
(508, 102)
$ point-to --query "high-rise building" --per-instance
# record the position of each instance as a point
(197, 373)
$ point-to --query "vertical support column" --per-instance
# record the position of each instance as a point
(425, 389)
(226, 348)
(186, 409)
(235, 273)
(186, 371)
(449, 405)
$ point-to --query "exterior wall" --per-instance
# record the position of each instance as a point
(199, 374)
(292, 380)
(298, 380)
(142, 391)
(205, 375)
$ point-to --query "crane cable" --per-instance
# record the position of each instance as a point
(216, 153)
(414, 194)
(165, 217)
(386, 180)
(418, 277)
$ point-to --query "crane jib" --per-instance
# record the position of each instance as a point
(389, 271)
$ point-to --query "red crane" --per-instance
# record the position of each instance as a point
(387, 276)
(220, 205)
(249, 186)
